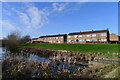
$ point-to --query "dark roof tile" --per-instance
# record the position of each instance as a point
(87, 32)
(53, 35)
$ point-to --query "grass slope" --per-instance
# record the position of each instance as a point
(110, 49)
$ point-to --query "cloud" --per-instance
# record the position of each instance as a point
(32, 18)
(6, 12)
(24, 18)
(7, 27)
(35, 16)
(58, 7)
(6, 24)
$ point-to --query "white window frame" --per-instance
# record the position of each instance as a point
(93, 35)
(56, 37)
(75, 36)
(88, 40)
(80, 35)
(103, 34)
(88, 35)
(104, 40)
(69, 40)
(59, 41)
(61, 37)
(98, 39)
(80, 40)
(94, 39)
(69, 36)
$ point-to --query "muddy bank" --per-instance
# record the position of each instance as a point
(88, 57)
(18, 68)
(58, 64)
(59, 53)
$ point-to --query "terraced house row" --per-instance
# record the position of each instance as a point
(98, 36)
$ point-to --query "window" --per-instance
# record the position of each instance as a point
(88, 40)
(98, 39)
(80, 40)
(59, 41)
(103, 34)
(83, 40)
(56, 37)
(87, 35)
(52, 41)
(80, 35)
(94, 39)
(93, 35)
(103, 39)
(72, 40)
(69, 40)
(61, 37)
(75, 36)
(69, 36)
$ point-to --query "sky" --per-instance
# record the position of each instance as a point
(49, 18)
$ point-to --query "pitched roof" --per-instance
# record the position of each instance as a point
(53, 35)
(34, 38)
(87, 32)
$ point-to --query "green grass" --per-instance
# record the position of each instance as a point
(105, 70)
(106, 49)
(115, 73)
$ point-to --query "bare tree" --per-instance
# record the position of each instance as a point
(25, 39)
(12, 41)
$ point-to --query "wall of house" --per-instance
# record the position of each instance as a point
(59, 39)
(114, 37)
(96, 37)
(91, 37)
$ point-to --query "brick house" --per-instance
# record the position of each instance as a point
(99, 36)
(114, 38)
(60, 38)
(35, 40)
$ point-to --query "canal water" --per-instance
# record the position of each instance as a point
(55, 66)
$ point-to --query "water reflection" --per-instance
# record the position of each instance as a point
(54, 65)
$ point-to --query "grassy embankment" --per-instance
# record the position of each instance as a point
(104, 50)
